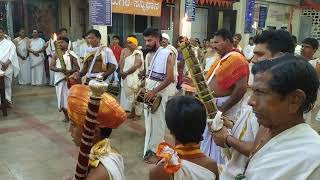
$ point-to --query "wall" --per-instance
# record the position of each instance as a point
(199, 26)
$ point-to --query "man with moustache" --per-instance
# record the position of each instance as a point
(227, 79)
(283, 90)
(246, 131)
(160, 81)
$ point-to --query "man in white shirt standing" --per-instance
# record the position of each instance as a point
(21, 43)
(36, 50)
(9, 65)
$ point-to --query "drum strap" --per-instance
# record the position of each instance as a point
(153, 61)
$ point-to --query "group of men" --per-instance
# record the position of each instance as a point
(263, 103)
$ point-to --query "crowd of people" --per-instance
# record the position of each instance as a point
(265, 94)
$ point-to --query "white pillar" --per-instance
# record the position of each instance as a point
(9, 18)
(240, 7)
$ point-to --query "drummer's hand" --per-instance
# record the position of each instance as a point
(149, 95)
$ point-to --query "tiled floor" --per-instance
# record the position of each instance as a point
(35, 143)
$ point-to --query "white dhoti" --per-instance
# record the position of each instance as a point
(131, 83)
(123, 99)
(113, 163)
(37, 62)
(50, 50)
(25, 71)
(62, 92)
(155, 122)
(51, 73)
(25, 66)
(245, 129)
(192, 171)
(8, 84)
(8, 53)
(208, 145)
(37, 69)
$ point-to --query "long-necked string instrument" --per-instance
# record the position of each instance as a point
(203, 92)
(98, 87)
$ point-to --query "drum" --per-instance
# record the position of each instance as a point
(110, 114)
(153, 104)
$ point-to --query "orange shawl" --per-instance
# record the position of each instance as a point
(232, 68)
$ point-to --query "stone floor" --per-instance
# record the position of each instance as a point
(36, 145)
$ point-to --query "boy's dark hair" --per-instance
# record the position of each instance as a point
(105, 132)
(290, 73)
(312, 42)
(95, 32)
(186, 119)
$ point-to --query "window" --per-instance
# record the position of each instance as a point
(140, 23)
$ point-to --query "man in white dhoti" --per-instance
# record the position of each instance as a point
(99, 60)
(36, 53)
(50, 50)
(160, 81)
(8, 63)
(129, 70)
(185, 161)
(283, 90)
(21, 43)
(62, 73)
(246, 129)
(227, 78)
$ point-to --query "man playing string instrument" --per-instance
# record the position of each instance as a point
(129, 70)
(99, 60)
(227, 79)
(160, 82)
(62, 73)
(246, 131)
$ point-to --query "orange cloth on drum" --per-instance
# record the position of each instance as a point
(111, 114)
(232, 68)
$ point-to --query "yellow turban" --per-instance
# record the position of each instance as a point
(133, 40)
